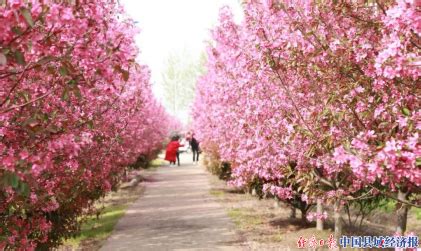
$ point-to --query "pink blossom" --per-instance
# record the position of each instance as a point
(96, 116)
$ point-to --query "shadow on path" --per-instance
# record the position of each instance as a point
(176, 212)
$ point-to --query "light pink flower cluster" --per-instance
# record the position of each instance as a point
(326, 93)
(312, 216)
(284, 193)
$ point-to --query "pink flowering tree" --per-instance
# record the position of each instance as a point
(75, 109)
(329, 87)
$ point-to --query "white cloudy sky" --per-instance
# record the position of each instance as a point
(171, 26)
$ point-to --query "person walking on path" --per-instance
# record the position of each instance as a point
(194, 144)
(171, 153)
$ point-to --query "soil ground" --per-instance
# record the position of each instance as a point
(265, 224)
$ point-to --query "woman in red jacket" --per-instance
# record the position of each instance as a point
(171, 153)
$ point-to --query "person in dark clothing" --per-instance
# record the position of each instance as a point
(194, 144)
(178, 157)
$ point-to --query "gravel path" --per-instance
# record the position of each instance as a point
(176, 212)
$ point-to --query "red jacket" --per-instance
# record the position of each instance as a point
(171, 152)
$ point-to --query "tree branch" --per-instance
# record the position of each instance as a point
(27, 103)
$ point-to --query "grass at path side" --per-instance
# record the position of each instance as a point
(98, 229)
(95, 231)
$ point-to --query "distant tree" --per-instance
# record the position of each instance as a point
(179, 80)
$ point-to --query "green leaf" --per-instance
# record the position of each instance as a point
(380, 145)
(65, 94)
(70, 68)
(72, 83)
(45, 60)
(20, 58)
(28, 17)
(406, 111)
(26, 96)
(63, 71)
(3, 59)
(24, 189)
(90, 124)
(410, 126)
(45, 117)
(5, 50)
(11, 210)
(17, 30)
(31, 122)
(77, 92)
(14, 180)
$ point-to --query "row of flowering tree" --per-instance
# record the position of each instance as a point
(317, 100)
(75, 109)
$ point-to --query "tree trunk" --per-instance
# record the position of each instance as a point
(401, 213)
(337, 215)
(319, 222)
(254, 192)
(293, 213)
(304, 220)
(277, 203)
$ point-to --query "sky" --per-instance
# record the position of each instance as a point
(171, 26)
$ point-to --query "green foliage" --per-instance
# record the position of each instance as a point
(65, 219)
(13, 180)
(406, 111)
(362, 208)
(20, 58)
(99, 228)
(27, 16)
(387, 205)
(156, 163)
(217, 193)
(243, 218)
(417, 212)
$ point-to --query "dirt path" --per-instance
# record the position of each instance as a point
(175, 213)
